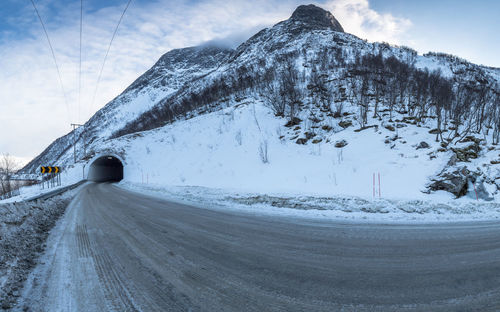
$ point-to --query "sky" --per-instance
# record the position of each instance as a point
(34, 111)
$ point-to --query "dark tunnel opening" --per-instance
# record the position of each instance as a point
(106, 169)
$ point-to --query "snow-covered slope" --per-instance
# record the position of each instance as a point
(172, 71)
(242, 148)
(206, 116)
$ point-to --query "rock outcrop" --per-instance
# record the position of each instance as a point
(453, 180)
(314, 16)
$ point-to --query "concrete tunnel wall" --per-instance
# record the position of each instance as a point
(105, 168)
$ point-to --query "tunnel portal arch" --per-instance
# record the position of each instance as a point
(105, 168)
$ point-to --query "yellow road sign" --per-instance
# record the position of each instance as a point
(48, 169)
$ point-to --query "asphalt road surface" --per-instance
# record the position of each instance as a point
(115, 250)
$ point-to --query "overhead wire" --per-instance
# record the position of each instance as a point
(80, 69)
(107, 53)
(53, 57)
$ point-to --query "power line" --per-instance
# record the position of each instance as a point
(80, 74)
(107, 52)
(53, 56)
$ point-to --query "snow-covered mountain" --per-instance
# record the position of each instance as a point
(303, 107)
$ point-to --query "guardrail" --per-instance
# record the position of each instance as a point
(56, 192)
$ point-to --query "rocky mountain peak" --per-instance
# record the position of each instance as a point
(315, 16)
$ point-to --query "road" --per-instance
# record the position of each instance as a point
(116, 250)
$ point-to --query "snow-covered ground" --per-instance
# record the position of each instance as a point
(222, 156)
(222, 150)
(69, 176)
(338, 208)
(226, 150)
(219, 160)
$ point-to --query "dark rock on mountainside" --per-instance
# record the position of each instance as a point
(453, 181)
(341, 143)
(423, 145)
(317, 17)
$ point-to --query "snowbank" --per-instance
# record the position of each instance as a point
(24, 227)
(338, 208)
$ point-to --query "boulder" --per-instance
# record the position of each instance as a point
(453, 180)
(452, 161)
(309, 135)
(345, 124)
(301, 141)
(423, 145)
(390, 128)
(293, 122)
(341, 143)
(472, 139)
(467, 153)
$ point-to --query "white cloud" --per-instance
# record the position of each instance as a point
(32, 109)
(356, 17)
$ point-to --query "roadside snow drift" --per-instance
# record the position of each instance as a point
(24, 227)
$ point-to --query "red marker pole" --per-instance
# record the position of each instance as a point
(374, 185)
(379, 191)
(477, 198)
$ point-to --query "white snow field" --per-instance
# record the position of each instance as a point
(221, 158)
(222, 150)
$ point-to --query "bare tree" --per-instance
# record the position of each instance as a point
(8, 166)
(289, 88)
(363, 100)
(275, 99)
(496, 118)
(484, 96)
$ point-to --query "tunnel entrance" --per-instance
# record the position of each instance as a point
(106, 168)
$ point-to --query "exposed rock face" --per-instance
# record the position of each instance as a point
(340, 144)
(345, 124)
(423, 145)
(453, 181)
(453, 160)
(465, 154)
(314, 16)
